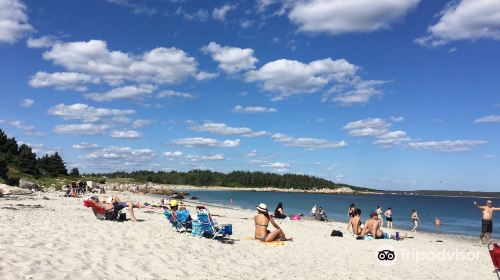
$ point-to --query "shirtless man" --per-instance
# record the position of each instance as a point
(487, 224)
(372, 226)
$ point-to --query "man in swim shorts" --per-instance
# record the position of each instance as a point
(487, 222)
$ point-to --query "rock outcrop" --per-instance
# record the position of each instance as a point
(25, 184)
(10, 190)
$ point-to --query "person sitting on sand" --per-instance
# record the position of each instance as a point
(372, 227)
(320, 214)
(278, 212)
(356, 222)
(262, 220)
(415, 219)
(487, 222)
(350, 214)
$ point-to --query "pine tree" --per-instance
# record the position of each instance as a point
(27, 162)
(74, 172)
(58, 165)
(3, 169)
(8, 148)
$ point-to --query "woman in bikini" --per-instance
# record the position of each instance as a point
(262, 220)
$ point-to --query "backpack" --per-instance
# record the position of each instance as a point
(336, 233)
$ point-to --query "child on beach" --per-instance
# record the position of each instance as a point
(415, 219)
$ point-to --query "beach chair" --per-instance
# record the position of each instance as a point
(494, 248)
(210, 228)
(101, 213)
(175, 224)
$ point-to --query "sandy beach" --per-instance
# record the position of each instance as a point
(58, 238)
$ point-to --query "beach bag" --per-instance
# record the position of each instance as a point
(336, 233)
(122, 217)
(196, 229)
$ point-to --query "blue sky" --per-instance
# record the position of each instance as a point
(383, 94)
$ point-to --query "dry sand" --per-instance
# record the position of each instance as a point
(61, 239)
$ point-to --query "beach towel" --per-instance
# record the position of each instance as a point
(274, 243)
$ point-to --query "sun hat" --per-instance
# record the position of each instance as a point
(489, 201)
(262, 207)
(173, 203)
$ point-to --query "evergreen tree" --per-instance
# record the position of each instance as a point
(8, 148)
(58, 165)
(27, 162)
(74, 172)
(3, 169)
(52, 166)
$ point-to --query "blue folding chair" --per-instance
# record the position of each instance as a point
(179, 227)
(209, 228)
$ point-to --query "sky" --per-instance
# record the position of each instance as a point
(396, 95)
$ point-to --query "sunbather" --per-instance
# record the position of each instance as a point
(279, 212)
(355, 221)
(115, 202)
(262, 220)
(181, 213)
(372, 227)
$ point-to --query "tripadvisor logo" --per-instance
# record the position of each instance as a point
(385, 255)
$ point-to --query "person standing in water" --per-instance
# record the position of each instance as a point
(487, 222)
(415, 219)
(437, 223)
(388, 217)
(379, 215)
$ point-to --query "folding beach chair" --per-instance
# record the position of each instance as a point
(494, 248)
(178, 226)
(210, 228)
(101, 213)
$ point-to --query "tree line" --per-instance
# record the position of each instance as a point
(22, 159)
(234, 179)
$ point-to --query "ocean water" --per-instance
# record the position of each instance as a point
(458, 214)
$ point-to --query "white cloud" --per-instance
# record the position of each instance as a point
(340, 16)
(27, 103)
(81, 129)
(231, 59)
(290, 77)
(214, 157)
(42, 149)
(392, 138)
(158, 66)
(277, 166)
(205, 142)
(223, 129)
(355, 91)
(141, 123)
(125, 134)
(308, 143)
(62, 80)
(13, 21)
(368, 127)
(85, 146)
(220, 13)
(173, 155)
(447, 145)
(464, 20)
(200, 15)
(397, 119)
(86, 113)
(135, 8)
(253, 109)
(172, 93)
(490, 118)
(41, 42)
(22, 125)
(205, 76)
(252, 153)
(121, 155)
(126, 92)
(490, 156)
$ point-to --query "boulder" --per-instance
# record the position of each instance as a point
(6, 189)
(25, 184)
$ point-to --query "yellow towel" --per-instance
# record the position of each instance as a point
(272, 243)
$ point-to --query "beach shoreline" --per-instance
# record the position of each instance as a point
(55, 237)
